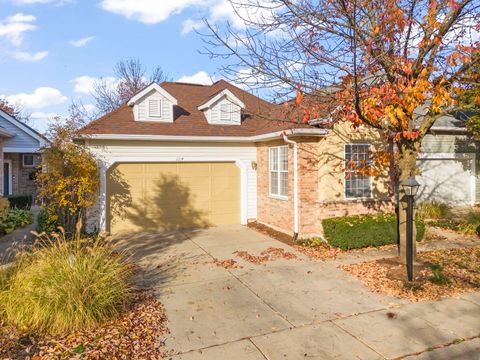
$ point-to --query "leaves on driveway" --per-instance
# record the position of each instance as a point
(269, 254)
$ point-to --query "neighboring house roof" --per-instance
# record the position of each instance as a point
(190, 121)
(15, 130)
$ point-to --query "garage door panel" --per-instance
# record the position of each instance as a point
(175, 195)
(445, 180)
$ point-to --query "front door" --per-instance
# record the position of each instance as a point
(6, 178)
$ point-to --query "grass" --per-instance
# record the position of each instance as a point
(469, 224)
(65, 285)
(432, 210)
(354, 232)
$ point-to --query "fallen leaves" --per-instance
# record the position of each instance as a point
(269, 254)
(439, 273)
(227, 264)
(134, 335)
(319, 252)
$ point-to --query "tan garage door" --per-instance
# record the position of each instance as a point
(166, 196)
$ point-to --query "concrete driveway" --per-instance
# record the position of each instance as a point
(288, 309)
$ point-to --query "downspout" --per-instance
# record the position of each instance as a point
(295, 184)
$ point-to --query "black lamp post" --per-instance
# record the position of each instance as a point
(410, 188)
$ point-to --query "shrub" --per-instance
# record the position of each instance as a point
(15, 219)
(45, 223)
(469, 224)
(354, 232)
(432, 210)
(63, 285)
(23, 202)
(4, 207)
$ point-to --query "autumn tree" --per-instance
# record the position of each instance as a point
(396, 66)
(15, 110)
(130, 78)
(68, 182)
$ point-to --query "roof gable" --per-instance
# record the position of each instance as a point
(22, 137)
(224, 93)
(147, 90)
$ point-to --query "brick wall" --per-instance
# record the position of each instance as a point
(21, 179)
(278, 213)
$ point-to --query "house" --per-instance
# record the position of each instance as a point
(183, 155)
(20, 154)
(448, 164)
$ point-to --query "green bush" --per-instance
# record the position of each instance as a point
(15, 219)
(469, 224)
(4, 207)
(20, 201)
(65, 285)
(44, 223)
(432, 210)
(354, 232)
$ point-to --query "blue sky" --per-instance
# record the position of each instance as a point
(51, 50)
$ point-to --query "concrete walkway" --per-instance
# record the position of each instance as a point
(289, 309)
(18, 237)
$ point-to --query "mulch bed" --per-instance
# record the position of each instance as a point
(437, 274)
(274, 234)
(137, 334)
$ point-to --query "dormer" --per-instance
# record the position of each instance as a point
(224, 108)
(153, 104)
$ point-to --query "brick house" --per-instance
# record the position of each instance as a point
(20, 155)
(183, 155)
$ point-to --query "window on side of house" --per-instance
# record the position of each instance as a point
(225, 112)
(27, 160)
(155, 108)
(357, 157)
(278, 171)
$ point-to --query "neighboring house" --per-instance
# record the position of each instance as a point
(20, 154)
(184, 155)
(448, 165)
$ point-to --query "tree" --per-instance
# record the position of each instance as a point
(396, 66)
(131, 78)
(68, 183)
(14, 110)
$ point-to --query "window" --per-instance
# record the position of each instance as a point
(28, 161)
(226, 112)
(155, 108)
(278, 166)
(357, 157)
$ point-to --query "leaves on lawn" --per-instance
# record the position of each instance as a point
(440, 273)
(134, 335)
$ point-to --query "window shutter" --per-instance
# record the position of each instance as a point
(155, 108)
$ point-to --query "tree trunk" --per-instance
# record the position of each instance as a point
(407, 166)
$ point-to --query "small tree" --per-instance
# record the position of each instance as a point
(395, 66)
(68, 182)
(15, 110)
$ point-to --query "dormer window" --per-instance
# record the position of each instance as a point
(153, 104)
(155, 108)
(226, 112)
(223, 108)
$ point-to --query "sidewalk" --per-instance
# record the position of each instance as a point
(18, 237)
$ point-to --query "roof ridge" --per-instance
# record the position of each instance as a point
(184, 83)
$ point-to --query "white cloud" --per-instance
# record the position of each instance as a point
(149, 11)
(190, 25)
(200, 77)
(14, 27)
(29, 57)
(40, 98)
(29, 2)
(90, 107)
(81, 42)
(41, 120)
(85, 84)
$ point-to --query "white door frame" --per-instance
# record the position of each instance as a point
(241, 164)
(10, 176)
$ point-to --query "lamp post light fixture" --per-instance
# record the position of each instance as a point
(410, 188)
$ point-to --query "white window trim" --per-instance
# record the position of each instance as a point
(276, 196)
(153, 117)
(350, 198)
(23, 161)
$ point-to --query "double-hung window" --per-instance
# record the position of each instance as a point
(278, 169)
(357, 180)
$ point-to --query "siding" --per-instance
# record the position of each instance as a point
(111, 151)
(142, 108)
(21, 138)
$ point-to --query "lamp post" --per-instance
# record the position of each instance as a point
(410, 188)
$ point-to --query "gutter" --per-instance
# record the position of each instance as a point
(255, 138)
(295, 183)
